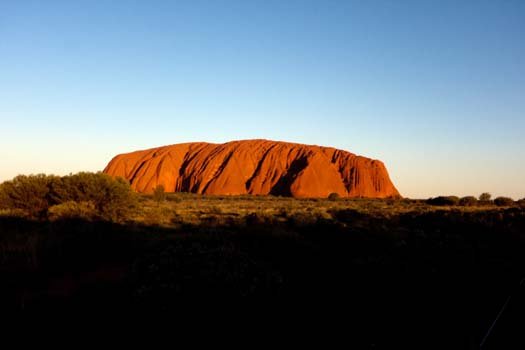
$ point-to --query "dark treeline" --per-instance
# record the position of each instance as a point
(471, 201)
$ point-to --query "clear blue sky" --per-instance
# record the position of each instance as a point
(435, 89)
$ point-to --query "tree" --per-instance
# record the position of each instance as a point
(27, 193)
(113, 197)
(503, 201)
(443, 200)
(485, 197)
(468, 201)
(33, 195)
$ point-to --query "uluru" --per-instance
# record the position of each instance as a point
(258, 167)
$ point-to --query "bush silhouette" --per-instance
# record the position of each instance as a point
(485, 197)
(503, 201)
(443, 200)
(34, 195)
(468, 201)
(333, 196)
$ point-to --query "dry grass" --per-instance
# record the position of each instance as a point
(186, 208)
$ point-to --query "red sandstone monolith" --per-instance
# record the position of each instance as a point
(254, 167)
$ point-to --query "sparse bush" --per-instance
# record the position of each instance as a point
(444, 200)
(521, 203)
(177, 197)
(334, 196)
(253, 219)
(215, 210)
(503, 201)
(159, 194)
(302, 219)
(346, 215)
(69, 210)
(468, 201)
(485, 197)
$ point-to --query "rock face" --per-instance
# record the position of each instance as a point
(254, 167)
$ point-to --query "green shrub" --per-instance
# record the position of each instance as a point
(35, 194)
(468, 201)
(28, 193)
(68, 210)
(444, 200)
(113, 197)
(503, 201)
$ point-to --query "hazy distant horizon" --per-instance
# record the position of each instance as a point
(435, 90)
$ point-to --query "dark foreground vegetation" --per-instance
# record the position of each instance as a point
(387, 272)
